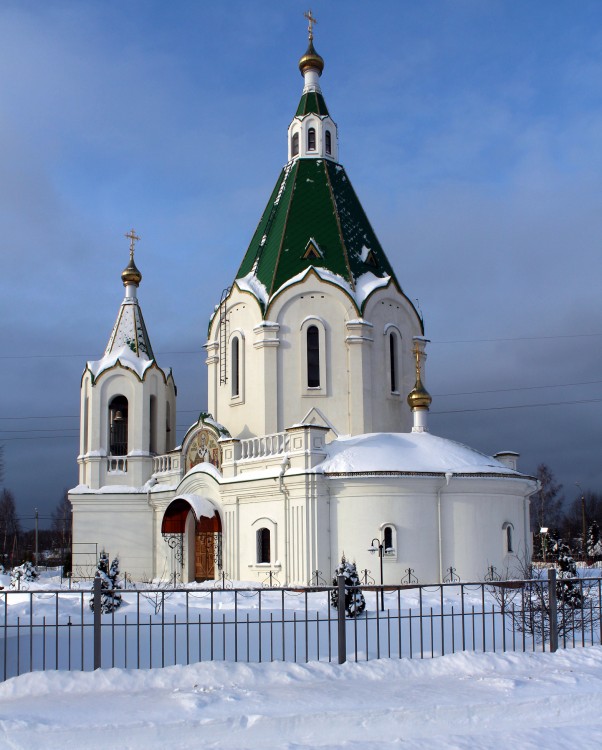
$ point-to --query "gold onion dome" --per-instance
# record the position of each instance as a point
(130, 274)
(419, 398)
(311, 59)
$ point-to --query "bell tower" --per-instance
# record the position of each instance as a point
(128, 402)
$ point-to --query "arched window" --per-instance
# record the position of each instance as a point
(118, 426)
(311, 139)
(388, 539)
(263, 546)
(393, 362)
(168, 436)
(509, 547)
(313, 357)
(295, 144)
(235, 363)
(328, 140)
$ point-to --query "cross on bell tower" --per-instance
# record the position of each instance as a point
(133, 238)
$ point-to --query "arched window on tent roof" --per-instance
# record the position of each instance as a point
(311, 139)
(295, 144)
(328, 141)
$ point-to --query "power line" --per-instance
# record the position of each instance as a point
(520, 406)
(62, 429)
(38, 437)
(521, 388)
(519, 338)
(447, 411)
(200, 352)
(436, 395)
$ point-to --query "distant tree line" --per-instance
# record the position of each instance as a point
(18, 546)
(574, 522)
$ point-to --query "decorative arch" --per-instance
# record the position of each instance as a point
(192, 529)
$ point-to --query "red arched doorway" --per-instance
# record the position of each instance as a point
(192, 528)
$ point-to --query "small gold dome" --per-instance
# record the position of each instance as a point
(419, 398)
(311, 59)
(130, 274)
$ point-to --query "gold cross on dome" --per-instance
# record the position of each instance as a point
(311, 20)
(133, 238)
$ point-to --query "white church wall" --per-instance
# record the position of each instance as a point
(245, 413)
(313, 302)
(389, 312)
(249, 507)
(474, 516)
(120, 524)
(474, 513)
(360, 507)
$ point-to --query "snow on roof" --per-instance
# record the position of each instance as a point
(200, 505)
(139, 363)
(367, 283)
(364, 285)
(250, 283)
(112, 489)
(406, 452)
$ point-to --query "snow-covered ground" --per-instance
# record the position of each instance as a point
(517, 701)
(465, 700)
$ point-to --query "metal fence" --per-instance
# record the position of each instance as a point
(157, 627)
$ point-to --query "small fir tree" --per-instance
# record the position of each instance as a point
(110, 598)
(355, 603)
(23, 573)
(594, 545)
(567, 591)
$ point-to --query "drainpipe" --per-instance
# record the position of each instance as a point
(151, 483)
(448, 476)
(286, 464)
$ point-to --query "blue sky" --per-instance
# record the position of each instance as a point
(471, 131)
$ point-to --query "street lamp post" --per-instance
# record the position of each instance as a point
(381, 549)
(544, 541)
(583, 524)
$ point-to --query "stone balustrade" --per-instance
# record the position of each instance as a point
(265, 446)
(166, 462)
(117, 464)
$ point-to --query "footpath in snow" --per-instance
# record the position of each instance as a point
(517, 701)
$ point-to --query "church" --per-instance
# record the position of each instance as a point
(315, 442)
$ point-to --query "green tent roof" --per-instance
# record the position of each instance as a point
(314, 219)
